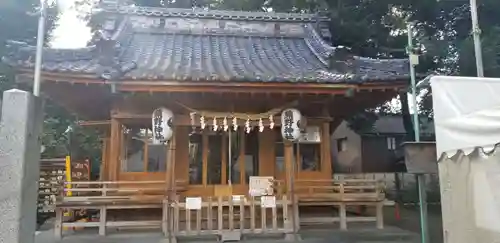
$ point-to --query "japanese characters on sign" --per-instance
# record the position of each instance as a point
(290, 119)
(162, 125)
(80, 170)
(261, 186)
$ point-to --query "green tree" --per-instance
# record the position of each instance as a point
(19, 22)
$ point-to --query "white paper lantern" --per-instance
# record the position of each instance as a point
(290, 119)
(162, 125)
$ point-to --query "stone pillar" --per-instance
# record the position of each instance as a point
(20, 128)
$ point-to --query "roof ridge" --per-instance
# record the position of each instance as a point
(211, 13)
(317, 45)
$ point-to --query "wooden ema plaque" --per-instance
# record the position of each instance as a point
(261, 186)
(80, 170)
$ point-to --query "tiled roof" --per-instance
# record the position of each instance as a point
(394, 125)
(172, 44)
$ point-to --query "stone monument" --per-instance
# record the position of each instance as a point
(20, 128)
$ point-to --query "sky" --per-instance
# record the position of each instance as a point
(71, 31)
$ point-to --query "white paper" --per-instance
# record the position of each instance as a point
(193, 203)
(268, 201)
(238, 198)
(261, 185)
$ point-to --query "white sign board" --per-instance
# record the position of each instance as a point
(193, 203)
(311, 135)
(238, 198)
(261, 186)
(268, 202)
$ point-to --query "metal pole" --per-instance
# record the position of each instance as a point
(229, 154)
(39, 48)
(476, 33)
(413, 85)
(422, 193)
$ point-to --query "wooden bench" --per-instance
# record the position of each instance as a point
(104, 196)
(342, 194)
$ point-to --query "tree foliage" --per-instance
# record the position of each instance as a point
(19, 22)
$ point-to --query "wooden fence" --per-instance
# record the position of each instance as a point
(229, 217)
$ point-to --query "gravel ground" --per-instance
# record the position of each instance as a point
(405, 230)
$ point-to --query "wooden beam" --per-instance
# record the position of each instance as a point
(242, 88)
(95, 123)
(216, 85)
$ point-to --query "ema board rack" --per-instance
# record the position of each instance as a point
(53, 174)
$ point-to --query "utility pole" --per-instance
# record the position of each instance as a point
(422, 193)
(476, 33)
(39, 48)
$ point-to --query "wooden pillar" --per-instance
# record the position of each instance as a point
(103, 170)
(224, 151)
(170, 173)
(114, 153)
(182, 153)
(289, 170)
(326, 147)
(241, 161)
(266, 153)
(294, 222)
(205, 158)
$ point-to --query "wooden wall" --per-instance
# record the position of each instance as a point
(266, 155)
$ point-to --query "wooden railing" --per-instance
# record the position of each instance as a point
(228, 217)
(109, 195)
(342, 194)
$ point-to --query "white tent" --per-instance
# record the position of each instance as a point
(467, 121)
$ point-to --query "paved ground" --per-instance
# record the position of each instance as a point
(410, 220)
(405, 230)
(391, 234)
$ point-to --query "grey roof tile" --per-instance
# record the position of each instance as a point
(163, 54)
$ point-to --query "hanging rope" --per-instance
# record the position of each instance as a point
(238, 115)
